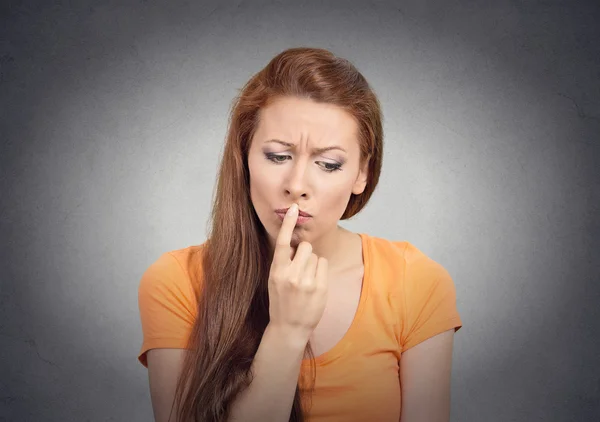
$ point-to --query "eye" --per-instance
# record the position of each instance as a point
(275, 158)
(333, 167)
(279, 159)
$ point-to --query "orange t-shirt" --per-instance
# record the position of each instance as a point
(406, 298)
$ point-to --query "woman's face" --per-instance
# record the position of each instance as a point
(286, 168)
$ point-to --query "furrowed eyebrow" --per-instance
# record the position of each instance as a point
(315, 150)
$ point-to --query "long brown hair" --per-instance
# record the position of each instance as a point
(233, 265)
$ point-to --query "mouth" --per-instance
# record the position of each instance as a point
(300, 213)
(300, 220)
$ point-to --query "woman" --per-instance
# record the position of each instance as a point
(281, 316)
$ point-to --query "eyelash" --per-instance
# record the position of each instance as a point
(270, 157)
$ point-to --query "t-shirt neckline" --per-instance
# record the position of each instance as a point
(338, 349)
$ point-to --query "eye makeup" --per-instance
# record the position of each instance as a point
(280, 159)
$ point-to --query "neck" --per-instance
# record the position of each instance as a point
(331, 247)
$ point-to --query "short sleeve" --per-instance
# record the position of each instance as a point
(429, 301)
(167, 306)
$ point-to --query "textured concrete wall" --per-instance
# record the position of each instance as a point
(113, 116)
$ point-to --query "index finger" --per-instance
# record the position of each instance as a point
(284, 237)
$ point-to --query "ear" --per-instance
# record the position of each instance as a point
(361, 179)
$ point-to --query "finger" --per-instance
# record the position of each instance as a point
(303, 254)
(308, 277)
(284, 237)
(321, 275)
(293, 252)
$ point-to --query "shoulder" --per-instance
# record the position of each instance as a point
(397, 252)
(402, 249)
(421, 291)
(404, 263)
(386, 249)
(173, 262)
(171, 271)
(167, 302)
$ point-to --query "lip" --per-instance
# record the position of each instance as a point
(300, 214)
(300, 220)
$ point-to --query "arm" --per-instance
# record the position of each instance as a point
(425, 372)
(276, 368)
(269, 397)
(164, 366)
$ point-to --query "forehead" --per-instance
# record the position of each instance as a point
(296, 119)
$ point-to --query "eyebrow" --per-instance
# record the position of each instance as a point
(315, 150)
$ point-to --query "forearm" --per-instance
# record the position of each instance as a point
(275, 369)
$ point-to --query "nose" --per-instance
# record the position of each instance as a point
(297, 183)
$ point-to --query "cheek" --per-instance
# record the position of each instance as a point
(335, 198)
(261, 184)
(262, 187)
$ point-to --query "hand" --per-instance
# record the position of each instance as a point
(297, 288)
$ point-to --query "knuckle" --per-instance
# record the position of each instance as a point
(305, 245)
(305, 286)
(276, 276)
(310, 286)
(308, 279)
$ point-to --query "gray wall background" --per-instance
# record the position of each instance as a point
(113, 116)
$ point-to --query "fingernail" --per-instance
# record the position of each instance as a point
(293, 209)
